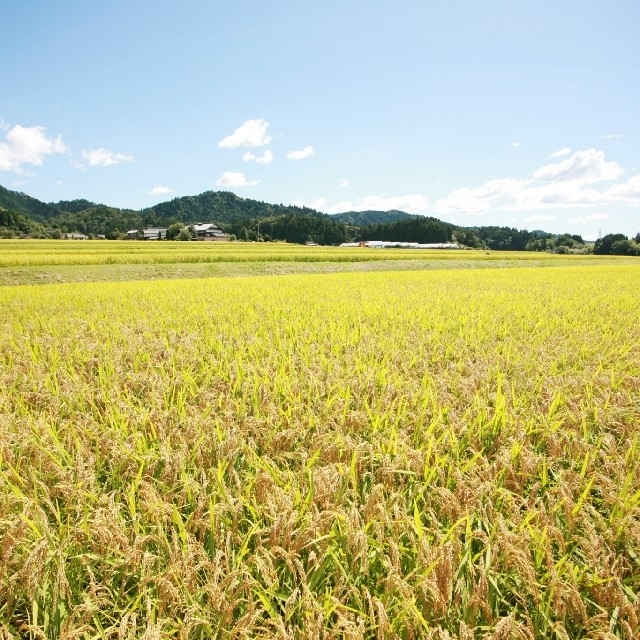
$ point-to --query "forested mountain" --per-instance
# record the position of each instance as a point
(412, 229)
(13, 223)
(363, 218)
(223, 207)
(247, 219)
(22, 203)
(235, 215)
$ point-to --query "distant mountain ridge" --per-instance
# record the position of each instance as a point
(221, 206)
(22, 215)
(22, 203)
(363, 218)
(239, 216)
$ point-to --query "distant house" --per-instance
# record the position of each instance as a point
(209, 231)
(74, 236)
(152, 233)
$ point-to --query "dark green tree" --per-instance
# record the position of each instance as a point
(174, 230)
(603, 245)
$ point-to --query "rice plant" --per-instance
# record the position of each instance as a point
(438, 454)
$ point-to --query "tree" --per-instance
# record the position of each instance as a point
(603, 245)
(624, 248)
(174, 230)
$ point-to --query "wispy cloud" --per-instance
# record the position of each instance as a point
(482, 199)
(539, 217)
(611, 136)
(27, 145)
(515, 145)
(160, 191)
(411, 203)
(343, 182)
(265, 158)
(105, 158)
(589, 218)
(253, 133)
(233, 179)
(318, 204)
(301, 154)
(561, 152)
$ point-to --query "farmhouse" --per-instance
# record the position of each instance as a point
(74, 236)
(209, 231)
(152, 233)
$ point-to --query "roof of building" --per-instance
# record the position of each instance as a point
(206, 226)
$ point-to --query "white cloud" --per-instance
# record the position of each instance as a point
(481, 199)
(253, 133)
(339, 207)
(585, 167)
(318, 204)
(561, 152)
(301, 154)
(411, 203)
(232, 179)
(160, 191)
(105, 158)
(589, 218)
(611, 136)
(343, 182)
(539, 217)
(265, 158)
(627, 192)
(27, 145)
(515, 145)
(566, 184)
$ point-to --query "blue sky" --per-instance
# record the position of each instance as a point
(498, 112)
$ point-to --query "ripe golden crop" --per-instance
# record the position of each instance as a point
(401, 454)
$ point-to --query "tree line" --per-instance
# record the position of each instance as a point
(253, 220)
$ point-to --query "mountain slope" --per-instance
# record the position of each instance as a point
(22, 203)
(363, 218)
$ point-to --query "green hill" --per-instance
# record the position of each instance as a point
(235, 215)
(252, 220)
(22, 203)
(363, 218)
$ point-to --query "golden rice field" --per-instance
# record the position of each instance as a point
(46, 262)
(449, 453)
(23, 253)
